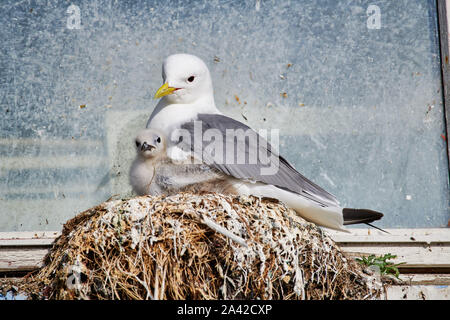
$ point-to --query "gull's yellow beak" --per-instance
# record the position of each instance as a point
(164, 91)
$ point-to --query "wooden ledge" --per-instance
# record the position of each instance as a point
(423, 250)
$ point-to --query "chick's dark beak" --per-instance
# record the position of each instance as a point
(145, 146)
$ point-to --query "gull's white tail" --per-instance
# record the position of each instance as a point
(330, 217)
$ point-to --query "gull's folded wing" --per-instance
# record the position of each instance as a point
(241, 142)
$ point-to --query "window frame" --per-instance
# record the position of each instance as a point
(443, 7)
(424, 250)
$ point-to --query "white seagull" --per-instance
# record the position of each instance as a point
(187, 105)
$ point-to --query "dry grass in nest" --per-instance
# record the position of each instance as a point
(190, 246)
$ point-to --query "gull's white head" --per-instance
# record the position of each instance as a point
(150, 143)
(186, 80)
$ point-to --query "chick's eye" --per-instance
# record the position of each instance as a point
(191, 78)
(138, 144)
(158, 140)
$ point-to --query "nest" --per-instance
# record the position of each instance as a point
(189, 246)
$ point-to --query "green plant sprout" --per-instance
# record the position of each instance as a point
(386, 267)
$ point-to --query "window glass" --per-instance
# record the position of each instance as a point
(354, 87)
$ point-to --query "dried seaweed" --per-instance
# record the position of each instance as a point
(190, 246)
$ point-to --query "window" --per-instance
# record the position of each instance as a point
(354, 87)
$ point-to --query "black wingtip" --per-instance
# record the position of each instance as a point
(354, 216)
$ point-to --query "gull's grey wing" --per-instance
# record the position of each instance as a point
(233, 145)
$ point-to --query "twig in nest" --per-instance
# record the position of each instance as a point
(223, 231)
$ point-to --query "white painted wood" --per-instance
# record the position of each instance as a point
(425, 279)
(28, 234)
(18, 259)
(434, 235)
(419, 248)
(24, 251)
(26, 242)
(413, 236)
(40, 238)
(417, 292)
(413, 256)
(21, 251)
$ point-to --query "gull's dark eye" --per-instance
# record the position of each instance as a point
(191, 78)
(138, 144)
(158, 140)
